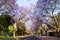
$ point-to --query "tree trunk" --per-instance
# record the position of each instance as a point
(46, 33)
(13, 33)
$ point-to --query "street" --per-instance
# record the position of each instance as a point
(39, 38)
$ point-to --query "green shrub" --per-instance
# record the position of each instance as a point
(3, 33)
(6, 38)
(9, 39)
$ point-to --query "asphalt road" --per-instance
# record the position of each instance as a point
(39, 38)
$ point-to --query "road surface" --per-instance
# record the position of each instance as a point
(39, 38)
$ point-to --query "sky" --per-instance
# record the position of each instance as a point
(26, 2)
